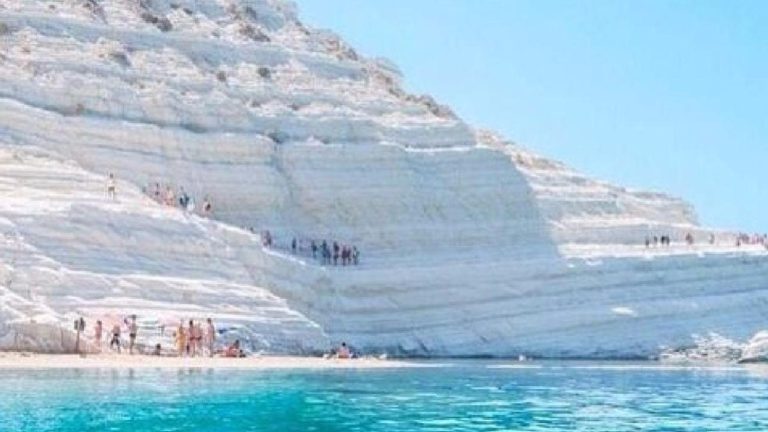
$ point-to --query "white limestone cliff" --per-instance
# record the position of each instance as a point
(471, 245)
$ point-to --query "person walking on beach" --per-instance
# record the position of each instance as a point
(210, 336)
(132, 332)
(97, 333)
(115, 341)
(111, 187)
(314, 249)
(355, 255)
(181, 339)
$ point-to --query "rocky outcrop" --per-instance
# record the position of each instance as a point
(471, 245)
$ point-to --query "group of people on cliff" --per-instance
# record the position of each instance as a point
(177, 198)
(663, 240)
(327, 252)
(166, 195)
(332, 253)
(754, 239)
(741, 239)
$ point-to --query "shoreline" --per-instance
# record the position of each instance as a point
(35, 361)
(16, 360)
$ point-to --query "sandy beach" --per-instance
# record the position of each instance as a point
(10, 360)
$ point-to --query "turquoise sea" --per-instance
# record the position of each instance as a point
(466, 396)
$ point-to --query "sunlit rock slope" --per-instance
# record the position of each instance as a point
(471, 245)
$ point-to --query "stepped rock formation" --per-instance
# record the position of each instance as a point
(471, 245)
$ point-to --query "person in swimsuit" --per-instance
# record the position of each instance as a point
(181, 339)
(343, 352)
(234, 350)
(115, 341)
(192, 335)
(210, 336)
(199, 338)
(97, 333)
(132, 332)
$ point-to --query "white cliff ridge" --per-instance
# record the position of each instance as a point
(471, 245)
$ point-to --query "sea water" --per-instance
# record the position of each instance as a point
(462, 396)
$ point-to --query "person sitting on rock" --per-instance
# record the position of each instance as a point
(234, 350)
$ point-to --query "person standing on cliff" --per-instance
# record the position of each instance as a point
(335, 253)
(183, 198)
(325, 252)
(170, 196)
(112, 187)
(207, 207)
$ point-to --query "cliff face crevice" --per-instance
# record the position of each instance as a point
(470, 244)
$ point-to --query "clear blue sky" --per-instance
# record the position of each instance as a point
(663, 95)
